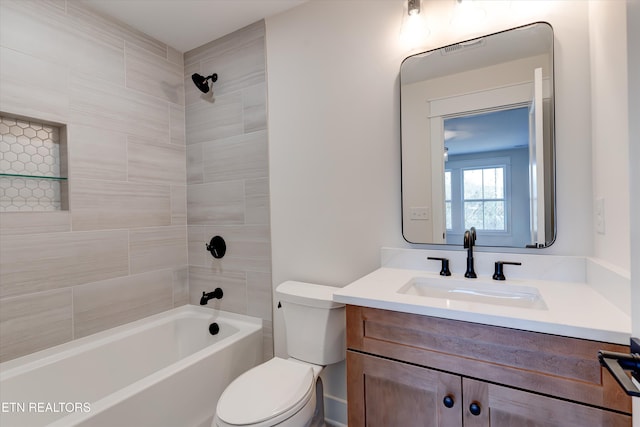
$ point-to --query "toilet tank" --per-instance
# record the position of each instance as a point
(314, 323)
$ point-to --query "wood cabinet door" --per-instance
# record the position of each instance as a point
(506, 407)
(386, 393)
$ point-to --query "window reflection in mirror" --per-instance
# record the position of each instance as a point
(477, 126)
(486, 176)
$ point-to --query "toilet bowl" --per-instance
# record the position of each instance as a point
(288, 392)
(279, 392)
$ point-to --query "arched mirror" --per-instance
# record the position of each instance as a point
(477, 120)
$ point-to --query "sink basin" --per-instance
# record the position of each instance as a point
(471, 291)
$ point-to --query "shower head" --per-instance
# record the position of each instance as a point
(201, 82)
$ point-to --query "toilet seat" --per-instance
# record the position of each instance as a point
(267, 394)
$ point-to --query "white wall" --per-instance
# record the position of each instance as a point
(610, 130)
(334, 152)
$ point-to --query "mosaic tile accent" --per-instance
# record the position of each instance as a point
(29, 150)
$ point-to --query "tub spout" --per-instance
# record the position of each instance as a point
(216, 294)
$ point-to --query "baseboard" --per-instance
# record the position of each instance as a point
(335, 411)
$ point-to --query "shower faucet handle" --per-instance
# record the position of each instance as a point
(217, 246)
(444, 270)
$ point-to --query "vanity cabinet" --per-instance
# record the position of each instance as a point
(411, 370)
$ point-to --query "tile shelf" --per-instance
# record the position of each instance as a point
(33, 165)
(52, 178)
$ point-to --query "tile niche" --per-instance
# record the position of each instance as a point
(33, 166)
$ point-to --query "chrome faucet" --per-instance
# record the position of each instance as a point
(469, 242)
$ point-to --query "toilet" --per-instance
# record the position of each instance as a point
(288, 392)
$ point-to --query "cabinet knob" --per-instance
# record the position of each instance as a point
(448, 401)
(475, 409)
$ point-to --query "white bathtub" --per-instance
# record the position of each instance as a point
(164, 370)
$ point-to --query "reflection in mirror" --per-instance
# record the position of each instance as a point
(477, 141)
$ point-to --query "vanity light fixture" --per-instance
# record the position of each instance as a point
(413, 6)
(414, 27)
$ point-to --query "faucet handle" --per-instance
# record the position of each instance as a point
(444, 270)
(499, 271)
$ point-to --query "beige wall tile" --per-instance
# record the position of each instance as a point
(26, 90)
(127, 169)
(97, 153)
(207, 121)
(241, 67)
(215, 203)
(239, 157)
(156, 248)
(257, 201)
(181, 286)
(196, 241)
(228, 43)
(227, 154)
(34, 322)
(12, 223)
(56, 37)
(154, 75)
(97, 103)
(267, 339)
(158, 164)
(176, 57)
(109, 303)
(232, 283)
(38, 262)
(95, 21)
(176, 116)
(254, 101)
(178, 205)
(99, 205)
(195, 164)
(259, 298)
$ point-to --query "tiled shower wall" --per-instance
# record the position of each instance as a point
(120, 252)
(227, 175)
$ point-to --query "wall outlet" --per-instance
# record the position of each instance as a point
(420, 213)
(599, 215)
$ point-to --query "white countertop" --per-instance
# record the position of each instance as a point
(573, 309)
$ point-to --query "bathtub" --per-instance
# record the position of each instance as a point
(164, 370)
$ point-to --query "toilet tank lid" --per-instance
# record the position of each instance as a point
(308, 294)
